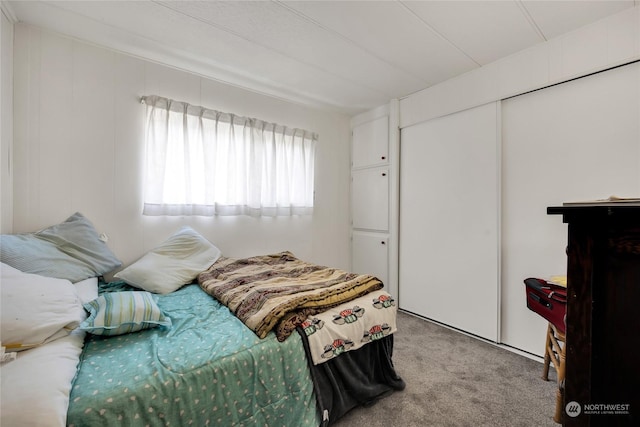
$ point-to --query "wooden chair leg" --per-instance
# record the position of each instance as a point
(558, 415)
(560, 348)
(554, 353)
(562, 356)
(547, 356)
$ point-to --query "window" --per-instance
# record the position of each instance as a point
(204, 162)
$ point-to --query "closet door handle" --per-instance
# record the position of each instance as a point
(383, 158)
(384, 174)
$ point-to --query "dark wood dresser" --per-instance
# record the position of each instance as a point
(602, 382)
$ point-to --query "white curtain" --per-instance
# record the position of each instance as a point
(204, 162)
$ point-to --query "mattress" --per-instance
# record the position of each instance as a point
(208, 369)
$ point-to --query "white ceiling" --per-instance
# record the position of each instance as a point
(349, 56)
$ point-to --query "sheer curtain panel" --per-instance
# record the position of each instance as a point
(205, 162)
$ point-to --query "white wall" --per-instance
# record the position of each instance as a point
(6, 122)
(79, 135)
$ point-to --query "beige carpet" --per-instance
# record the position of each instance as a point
(456, 380)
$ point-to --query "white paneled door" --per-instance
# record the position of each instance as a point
(370, 199)
(370, 143)
(575, 141)
(371, 255)
(449, 216)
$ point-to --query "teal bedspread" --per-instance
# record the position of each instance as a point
(207, 370)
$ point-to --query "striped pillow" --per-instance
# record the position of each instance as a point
(70, 250)
(117, 313)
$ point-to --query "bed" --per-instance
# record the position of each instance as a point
(202, 354)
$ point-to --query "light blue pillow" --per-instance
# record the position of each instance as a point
(117, 313)
(70, 250)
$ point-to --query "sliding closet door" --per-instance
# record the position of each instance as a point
(575, 141)
(449, 180)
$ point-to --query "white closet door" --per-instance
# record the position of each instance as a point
(449, 215)
(370, 255)
(370, 199)
(575, 141)
(370, 144)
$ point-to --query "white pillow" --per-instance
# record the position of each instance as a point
(87, 289)
(176, 262)
(36, 386)
(36, 309)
